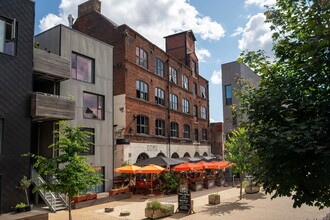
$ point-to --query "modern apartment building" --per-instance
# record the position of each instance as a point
(90, 85)
(231, 73)
(161, 100)
(217, 143)
(16, 60)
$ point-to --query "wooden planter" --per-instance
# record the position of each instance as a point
(118, 191)
(91, 196)
(154, 214)
(214, 199)
(79, 198)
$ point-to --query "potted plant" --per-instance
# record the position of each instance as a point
(116, 191)
(214, 199)
(155, 209)
(20, 207)
(80, 198)
(25, 183)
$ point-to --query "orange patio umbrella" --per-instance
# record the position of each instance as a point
(127, 169)
(208, 165)
(187, 167)
(222, 164)
(152, 169)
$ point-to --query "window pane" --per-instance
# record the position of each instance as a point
(82, 68)
(93, 106)
(2, 35)
(228, 94)
(91, 140)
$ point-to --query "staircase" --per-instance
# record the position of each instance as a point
(54, 201)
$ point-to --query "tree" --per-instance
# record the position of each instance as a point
(72, 172)
(239, 152)
(24, 184)
(288, 115)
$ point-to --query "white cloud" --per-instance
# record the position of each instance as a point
(212, 120)
(152, 19)
(257, 35)
(260, 3)
(202, 54)
(216, 77)
(49, 21)
(237, 31)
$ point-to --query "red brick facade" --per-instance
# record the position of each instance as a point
(217, 141)
(126, 72)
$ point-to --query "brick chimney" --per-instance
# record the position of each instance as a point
(89, 6)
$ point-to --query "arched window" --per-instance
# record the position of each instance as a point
(142, 156)
(142, 90)
(175, 155)
(205, 154)
(142, 124)
(159, 67)
(161, 155)
(186, 154)
(159, 96)
(196, 154)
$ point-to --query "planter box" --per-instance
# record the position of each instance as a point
(252, 189)
(91, 196)
(214, 199)
(118, 191)
(81, 198)
(154, 214)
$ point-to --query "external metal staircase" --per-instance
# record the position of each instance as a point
(54, 201)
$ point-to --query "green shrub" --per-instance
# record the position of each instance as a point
(20, 205)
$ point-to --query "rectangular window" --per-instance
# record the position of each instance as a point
(142, 124)
(174, 129)
(8, 36)
(228, 95)
(82, 68)
(204, 134)
(100, 187)
(193, 67)
(185, 82)
(1, 134)
(203, 112)
(195, 111)
(173, 75)
(91, 140)
(160, 127)
(195, 88)
(185, 106)
(186, 131)
(159, 67)
(203, 92)
(196, 134)
(173, 102)
(159, 96)
(141, 57)
(93, 106)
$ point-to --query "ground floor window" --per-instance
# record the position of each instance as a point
(100, 187)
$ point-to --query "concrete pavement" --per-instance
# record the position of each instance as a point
(253, 206)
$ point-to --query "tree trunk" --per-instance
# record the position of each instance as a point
(27, 197)
(241, 187)
(70, 216)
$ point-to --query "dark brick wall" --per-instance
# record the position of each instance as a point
(216, 131)
(15, 90)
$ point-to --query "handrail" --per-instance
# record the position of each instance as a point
(38, 180)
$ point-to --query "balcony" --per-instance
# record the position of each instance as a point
(50, 66)
(48, 107)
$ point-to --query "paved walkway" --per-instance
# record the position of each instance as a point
(252, 207)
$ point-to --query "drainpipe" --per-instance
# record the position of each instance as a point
(168, 109)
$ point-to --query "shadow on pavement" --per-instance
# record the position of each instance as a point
(224, 208)
(255, 196)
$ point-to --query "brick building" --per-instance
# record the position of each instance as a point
(216, 138)
(161, 104)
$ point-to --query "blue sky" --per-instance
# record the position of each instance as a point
(223, 28)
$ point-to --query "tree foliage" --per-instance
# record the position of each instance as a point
(239, 152)
(70, 170)
(288, 114)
